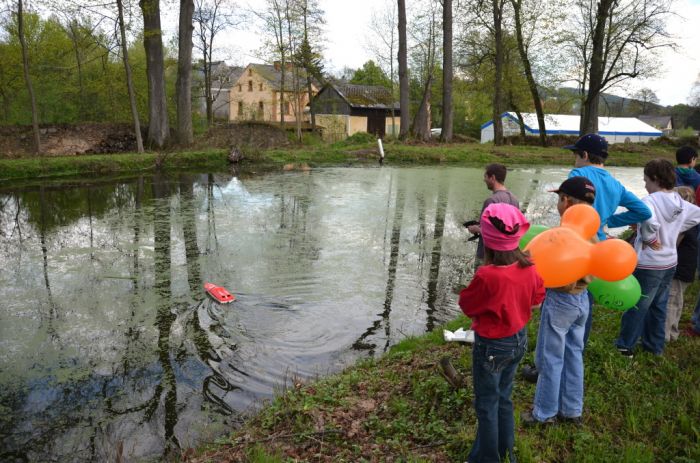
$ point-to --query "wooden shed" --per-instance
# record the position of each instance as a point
(344, 109)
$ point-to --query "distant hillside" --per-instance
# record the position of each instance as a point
(613, 105)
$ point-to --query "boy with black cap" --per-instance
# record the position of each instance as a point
(559, 351)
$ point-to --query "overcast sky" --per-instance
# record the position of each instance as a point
(347, 23)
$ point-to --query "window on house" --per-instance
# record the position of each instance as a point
(261, 107)
(240, 108)
(250, 85)
(240, 88)
(261, 86)
(287, 108)
(250, 72)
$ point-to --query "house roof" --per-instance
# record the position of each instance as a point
(365, 96)
(273, 75)
(564, 124)
(223, 74)
(660, 122)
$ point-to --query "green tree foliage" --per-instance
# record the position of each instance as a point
(479, 71)
(371, 74)
(94, 91)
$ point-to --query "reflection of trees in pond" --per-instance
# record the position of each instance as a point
(164, 316)
(45, 261)
(361, 343)
(436, 254)
(188, 212)
(293, 221)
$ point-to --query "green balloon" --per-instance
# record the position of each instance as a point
(620, 295)
(531, 233)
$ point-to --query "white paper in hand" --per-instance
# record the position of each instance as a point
(461, 335)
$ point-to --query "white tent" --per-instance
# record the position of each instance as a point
(614, 129)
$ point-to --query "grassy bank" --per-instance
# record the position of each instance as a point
(399, 408)
(315, 156)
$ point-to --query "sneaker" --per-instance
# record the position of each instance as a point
(629, 353)
(529, 374)
(690, 332)
(575, 420)
(450, 374)
(528, 420)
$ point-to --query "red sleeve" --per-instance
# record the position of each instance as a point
(539, 292)
(697, 195)
(473, 298)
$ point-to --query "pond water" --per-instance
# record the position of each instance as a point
(110, 348)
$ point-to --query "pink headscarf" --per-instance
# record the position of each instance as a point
(502, 226)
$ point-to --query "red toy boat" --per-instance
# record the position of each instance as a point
(219, 293)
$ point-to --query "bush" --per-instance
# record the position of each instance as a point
(359, 138)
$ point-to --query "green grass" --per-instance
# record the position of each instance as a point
(354, 151)
(399, 408)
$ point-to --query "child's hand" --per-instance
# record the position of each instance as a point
(655, 246)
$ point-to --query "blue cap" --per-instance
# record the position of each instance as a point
(591, 143)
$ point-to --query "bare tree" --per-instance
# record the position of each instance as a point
(403, 71)
(291, 17)
(527, 68)
(129, 78)
(183, 84)
(497, 8)
(158, 125)
(645, 99)
(447, 72)
(424, 30)
(211, 18)
(273, 23)
(382, 43)
(308, 56)
(27, 77)
(612, 41)
(694, 97)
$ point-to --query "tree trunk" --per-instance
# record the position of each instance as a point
(282, 78)
(498, 79)
(589, 110)
(208, 98)
(27, 77)
(421, 123)
(74, 30)
(447, 113)
(311, 106)
(403, 72)
(158, 126)
(528, 72)
(183, 85)
(129, 79)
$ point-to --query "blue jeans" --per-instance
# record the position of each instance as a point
(648, 318)
(494, 362)
(695, 318)
(559, 355)
(589, 320)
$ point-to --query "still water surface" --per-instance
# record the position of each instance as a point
(109, 346)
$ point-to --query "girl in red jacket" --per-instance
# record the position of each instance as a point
(499, 301)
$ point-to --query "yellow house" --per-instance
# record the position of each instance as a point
(256, 94)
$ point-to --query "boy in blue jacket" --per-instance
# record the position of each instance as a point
(591, 152)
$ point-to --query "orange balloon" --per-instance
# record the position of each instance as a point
(613, 260)
(561, 256)
(583, 219)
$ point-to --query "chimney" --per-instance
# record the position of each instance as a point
(277, 65)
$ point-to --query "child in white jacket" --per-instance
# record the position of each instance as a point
(656, 258)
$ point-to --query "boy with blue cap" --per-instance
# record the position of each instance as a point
(591, 152)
